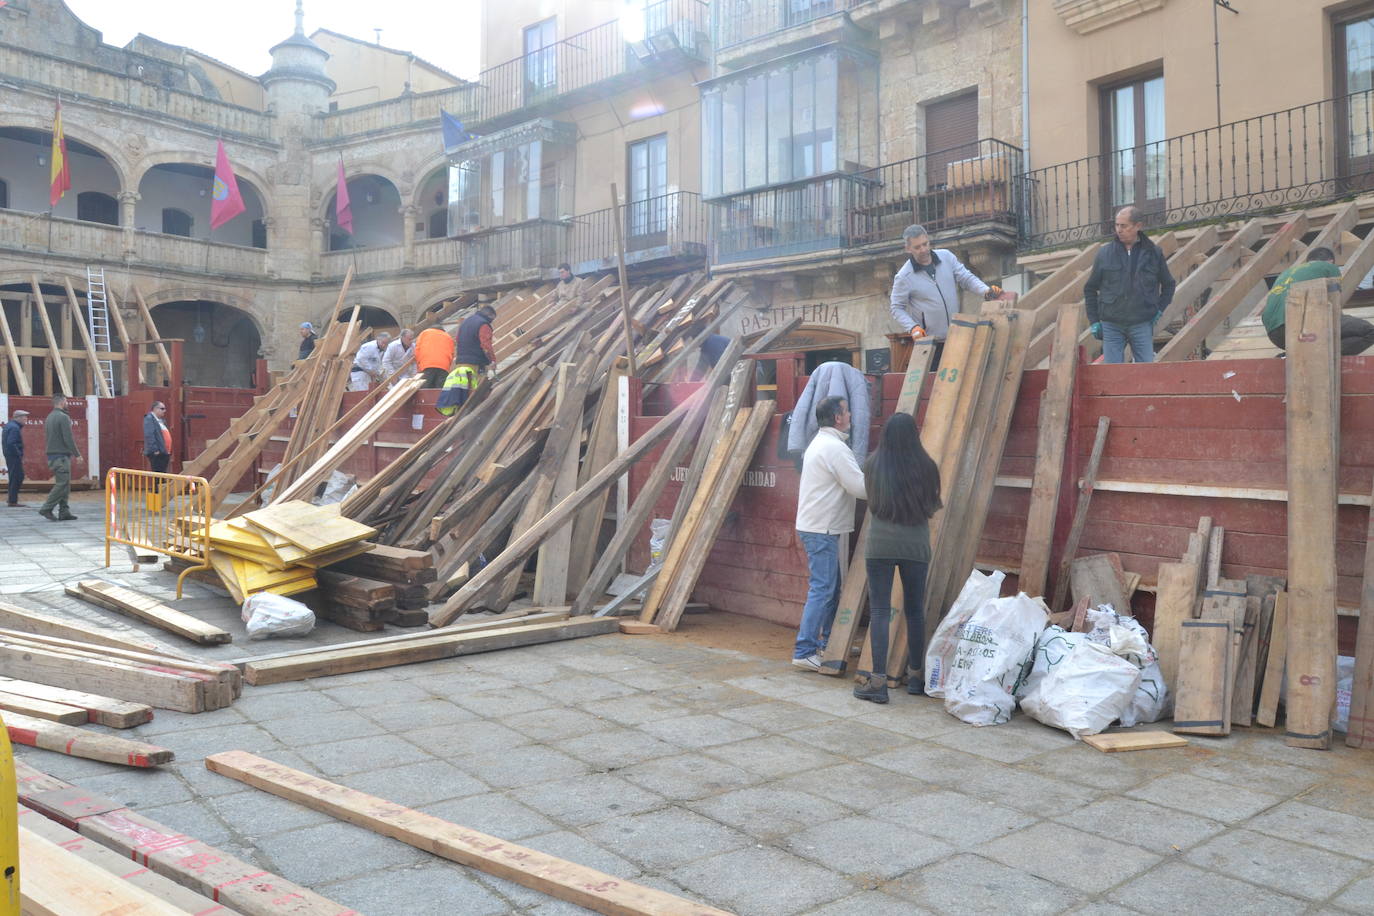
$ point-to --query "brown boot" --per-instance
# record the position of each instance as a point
(874, 689)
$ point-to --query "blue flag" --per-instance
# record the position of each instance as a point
(454, 134)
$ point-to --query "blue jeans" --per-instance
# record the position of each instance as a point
(1140, 336)
(823, 594)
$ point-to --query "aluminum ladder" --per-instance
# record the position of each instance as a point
(98, 312)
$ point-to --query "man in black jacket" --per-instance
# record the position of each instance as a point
(1129, 288)
(157, 439)
(13, 445)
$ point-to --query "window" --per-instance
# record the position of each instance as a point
(259, 233)
(1133, 144)
(95, 207)
(541, 61)
(778, 124)
(647, 213)
(1354, 61)
(4, 195)
(438, 224)
(951, 135)
(176, 222)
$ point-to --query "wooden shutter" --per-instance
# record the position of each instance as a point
(951, 135)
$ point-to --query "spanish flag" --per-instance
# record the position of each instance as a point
(60, 175)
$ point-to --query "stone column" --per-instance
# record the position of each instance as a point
(127, 202)
(408, 214)
(317, 242)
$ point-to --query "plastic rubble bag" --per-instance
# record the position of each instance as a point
(269, 486)
(267, 615)
(336, 489)
(658, 534)
(1077, 684)
(940, 652)
(992, 651)
(1126, 637)
(1345, 683)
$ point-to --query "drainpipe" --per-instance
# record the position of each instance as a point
(1025, 111)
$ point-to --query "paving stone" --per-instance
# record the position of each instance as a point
(930, 763)
(1290, 868)
(202, 742)
(194, 818)
(1205, 797)
(404, 717)
(321, 728)
(1109, 772)
(865, 849)
(956, 818)
(1068, 856)
(504, 701)
(555, 723)
(603, 662)
(584, 688)
(634, 709)
(699, 731)
(1258, 775)
(664, 839)
(767, 812)
(456, 680)
(417, 784)
(776, 716)
(706, 697)
(772, 756)
(652, 678)
(264, 707)
(492, 813)
(915, 717)
(1359, 897)
(870, 903)
(430, 887)
(584, 800)
(780, 685)
(617, 748)
(1348, 796)
(141, 788)
(1030, 792)
(465, 738)
(357, 755)
(331, 852)
(855, 785)
(1330, 830)
(1003, 744)
(688, 776)
(1158, 829)
(568, 845)
(1161, 891)
(521, 766)
(746, 881)
(827, 697)
(850, 738)
(166, 721)
(257, 814)
(968, 883)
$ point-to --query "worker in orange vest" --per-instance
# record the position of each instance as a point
(434, 348)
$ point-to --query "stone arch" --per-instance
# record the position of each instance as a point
(378, 220)
(183, 182)
(327, 176)
(222, 342)
(433, 183)
(107, 147)
(245, 174)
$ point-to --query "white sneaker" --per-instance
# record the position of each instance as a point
(810, 663)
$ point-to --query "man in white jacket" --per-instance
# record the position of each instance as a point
(830, 482)
(925, 291)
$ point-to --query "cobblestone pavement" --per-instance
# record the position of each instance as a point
(723, 776)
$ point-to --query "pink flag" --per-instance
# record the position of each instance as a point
(225, 202)
(343, 211)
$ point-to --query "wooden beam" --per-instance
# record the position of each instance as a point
(1360, 732)
(1357, 267)
(149, 610)
(16, 618)
(547, 874)
(1080, 512)
(156, 336)
(16, 365)
(551, 567)
(77, 742)
(620, 261)
(1204, 671)
(101, 710)
(54, 354)
(1267, 713)
(59, 883)
(43, 709)
(1312, 402)
(1049, 453)
(1211, 270)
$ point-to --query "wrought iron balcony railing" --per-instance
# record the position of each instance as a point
(741, 21)
(964, 188)
(612, 49)
(1297, 156)
(666, 226)
(517, 252)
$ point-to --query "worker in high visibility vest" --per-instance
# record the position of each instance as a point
(461, 383)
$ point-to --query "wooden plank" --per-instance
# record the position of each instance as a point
(1357, 267)
(438, 645)
(92, 361)
(1267, 713)
(1049, 453)
(43, 709)
(1224, 301)
(1116, 742)
(1080, 512)
(1360, 732)
(157, 688)
(150, 610)
(16, 364)
(17, 618)
(154, 335)
(242, 886)
(312, 528)
(58, 883)
(548, 874)
(1204, 670)
(55, 363)
(1243, 698)
(77, 742)
(101, 710)
(601, 448)
(1094, 577)
(1215, 541)
(1313, 395)
(555, 554)
(1211, 270)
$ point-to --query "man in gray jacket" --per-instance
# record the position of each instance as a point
(61, 449)
(925, 291)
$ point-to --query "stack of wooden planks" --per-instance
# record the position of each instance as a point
(279, 548)
(401, 579)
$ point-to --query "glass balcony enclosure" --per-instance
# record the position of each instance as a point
(510, 177)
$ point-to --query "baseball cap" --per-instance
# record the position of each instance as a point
(307, 326)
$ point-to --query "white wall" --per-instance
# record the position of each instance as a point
(29, 182)
(161, 188)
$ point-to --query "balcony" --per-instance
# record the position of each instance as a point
(967, 192)
(364, 261)
(582, 65)
(662, 229)
(750, 31)
(156, 248)
(1295, 157)
(513, 254)
(431, 254)
(47, 73)
(415, 109)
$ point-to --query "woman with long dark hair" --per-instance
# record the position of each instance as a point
(903, 486)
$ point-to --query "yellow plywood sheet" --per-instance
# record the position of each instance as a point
(312, 528)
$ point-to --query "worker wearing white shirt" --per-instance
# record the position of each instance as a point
(399, 354)
(367, 363)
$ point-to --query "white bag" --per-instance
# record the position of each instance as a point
(1077, 684)
(336, 489)
(1345, 683)
(992, 653)
(1125, 636)
(943, 645)
(267, 615)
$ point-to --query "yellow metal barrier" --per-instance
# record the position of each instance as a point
(166, 513)
(9, 828)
